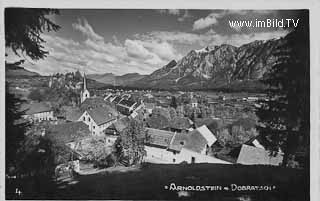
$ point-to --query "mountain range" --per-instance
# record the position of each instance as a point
(210, 68)
(218, 67)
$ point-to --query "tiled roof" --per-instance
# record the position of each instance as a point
(250, 155)
(101, 115)
(35, 107)
(68, 132)
(159, 137)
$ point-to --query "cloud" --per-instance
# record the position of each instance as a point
(86, 29)
(214, 17)
(205, 22)
(136, 49)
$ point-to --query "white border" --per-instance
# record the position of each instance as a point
(312, 5)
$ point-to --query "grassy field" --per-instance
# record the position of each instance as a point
(149, 181)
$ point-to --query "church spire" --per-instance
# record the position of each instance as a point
(84, 82)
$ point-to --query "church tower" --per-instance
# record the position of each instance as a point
(84, 93)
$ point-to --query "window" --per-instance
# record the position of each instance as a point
(89, 119)
(84, 118)
(94, 127)
(174, 160)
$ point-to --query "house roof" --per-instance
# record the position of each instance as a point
(93, 102)
(127, 103)
(35, 107)
(68, 132)
(101, 115)
(196, 142)
(117, 99)
(207, 134)
(178, 141)
(250, 155)
(159, 137)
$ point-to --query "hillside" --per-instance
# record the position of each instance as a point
(111, 79)
(13, 70)
(218, 67)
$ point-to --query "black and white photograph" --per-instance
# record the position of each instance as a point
(157, 104)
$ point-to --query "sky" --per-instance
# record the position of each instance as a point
(141, 41)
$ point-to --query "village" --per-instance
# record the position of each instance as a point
(177, 127)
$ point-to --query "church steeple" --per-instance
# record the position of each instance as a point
(84, 93)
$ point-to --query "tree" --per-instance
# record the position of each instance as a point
(15, 129)
(130, 145)
(284, 115)
(23, 28)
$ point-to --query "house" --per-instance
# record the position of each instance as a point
(99, 118)
(37, 111)
(93, 102)
(253, 152)
(71, 134)
(172, 147)
(126, 107)
(194, 102)
(251, 155)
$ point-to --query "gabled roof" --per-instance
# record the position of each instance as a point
(178, 141)
(93, 102)
(207, 134)
(250, 155)
(117, 100)
(159, 137)
(35, 107)
(127, 103)
(101, 115)
(67, 132)
(196, 142)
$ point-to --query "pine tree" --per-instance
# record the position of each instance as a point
(284, 116)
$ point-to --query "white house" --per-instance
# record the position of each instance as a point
(170, 147)
(98, 119)
(254, 153)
